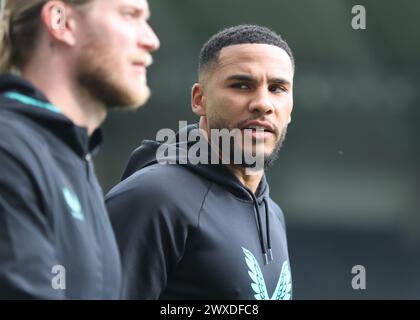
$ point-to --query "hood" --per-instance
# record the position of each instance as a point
(145, 155)
(21, 97)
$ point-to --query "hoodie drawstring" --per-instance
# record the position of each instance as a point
(267, 219)
(267, 257)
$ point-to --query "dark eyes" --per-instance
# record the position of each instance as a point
(274, 88)
(277, 88)
(240, 86)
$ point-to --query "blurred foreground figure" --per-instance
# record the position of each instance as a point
(71, 60)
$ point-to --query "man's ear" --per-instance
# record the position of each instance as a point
(198, 100)
(58, 19)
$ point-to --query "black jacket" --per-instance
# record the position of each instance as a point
(195, 232)
(54, 229)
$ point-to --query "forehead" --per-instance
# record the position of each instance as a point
(251, 58)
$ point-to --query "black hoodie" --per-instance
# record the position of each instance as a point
(55, 237)
(195, 232)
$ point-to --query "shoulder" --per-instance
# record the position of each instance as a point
(18, 137)
(166, 179)
(166, 189)
(275, 208)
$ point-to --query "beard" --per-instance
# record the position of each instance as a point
(96, 76)
(268, 158)
(274, 155)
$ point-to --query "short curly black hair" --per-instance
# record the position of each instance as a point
(241, 34)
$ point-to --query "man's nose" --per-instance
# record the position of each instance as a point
(148, 38)
(262, 104)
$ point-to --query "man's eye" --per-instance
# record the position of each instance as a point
(241, 86)
(277, 89)
(130, 14)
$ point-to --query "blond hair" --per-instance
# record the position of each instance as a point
(20, 25)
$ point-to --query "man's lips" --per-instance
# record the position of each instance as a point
(259, 129)
(259, 125)
(142, 63)
(146, 60)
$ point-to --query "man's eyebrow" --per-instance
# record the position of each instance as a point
(280, 81)
(241, 77)
(139, 11)
(247, 78)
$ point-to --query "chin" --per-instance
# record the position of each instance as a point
(135, 97)
(142, 96)
(128, 102)
(260, 151)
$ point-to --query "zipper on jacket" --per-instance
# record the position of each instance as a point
(89, 169)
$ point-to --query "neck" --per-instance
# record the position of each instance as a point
(72, 100)
(251, 181)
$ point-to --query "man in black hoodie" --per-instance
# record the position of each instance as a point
(76, 58)
(206, 230)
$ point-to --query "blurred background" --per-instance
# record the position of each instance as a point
(348, 176)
